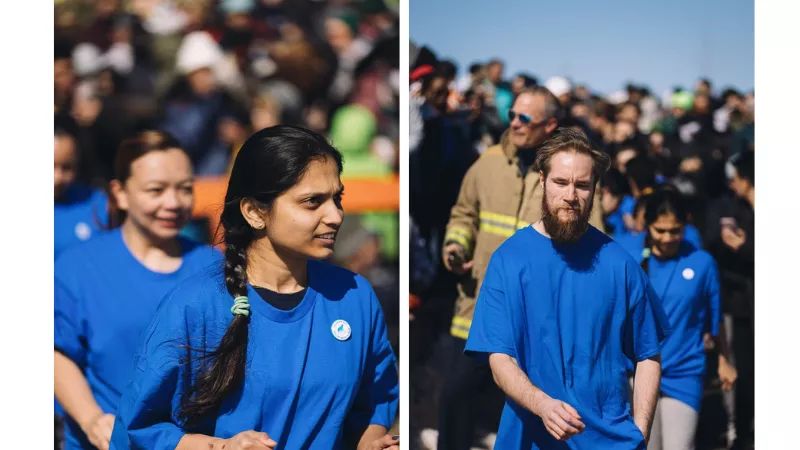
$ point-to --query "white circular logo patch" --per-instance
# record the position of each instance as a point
(341, 330)
(83, 231)
(688, 274)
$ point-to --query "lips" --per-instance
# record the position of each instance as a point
(326, 236)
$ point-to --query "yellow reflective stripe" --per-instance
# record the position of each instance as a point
(459, 333)
(460, 231)
(460, 235)
(462, 321)
(499, 218)
(494, 229)
(458, 238)
(522, 225)
(460, 327)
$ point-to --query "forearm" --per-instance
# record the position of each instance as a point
(371, 434)
(721, 342)
(199, 442)
(645, 393)
(513, 381)
(73, 392)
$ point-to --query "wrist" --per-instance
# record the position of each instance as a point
(87, 420)
(538, 398)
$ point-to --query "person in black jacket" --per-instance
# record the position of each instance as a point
(730, 238)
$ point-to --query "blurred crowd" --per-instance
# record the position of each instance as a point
(211, 72)
(699, 139)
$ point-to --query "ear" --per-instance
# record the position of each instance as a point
(253, 213)
(118, 192)
(552, 124)
(541, 178)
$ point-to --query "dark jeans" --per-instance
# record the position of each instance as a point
(744, 352)
(466, 378)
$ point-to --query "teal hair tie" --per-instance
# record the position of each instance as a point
(646, 252)
(241, 307)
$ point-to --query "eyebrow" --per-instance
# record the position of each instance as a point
(321, 193)
(187, 180)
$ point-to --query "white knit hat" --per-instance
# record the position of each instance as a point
(198, 51)
(558, 86)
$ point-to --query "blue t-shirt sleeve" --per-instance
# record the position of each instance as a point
(713, 296)
(490, 331)
(145, 415)
(377, 398)
(647, 325)
(69, 327)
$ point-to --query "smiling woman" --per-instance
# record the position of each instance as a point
(108, 289)
(280, 349)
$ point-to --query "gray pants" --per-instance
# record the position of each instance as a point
(674, 424)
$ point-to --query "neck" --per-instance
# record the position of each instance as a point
(661, 255)
(277, 271)
(144, 247)
(539, 226)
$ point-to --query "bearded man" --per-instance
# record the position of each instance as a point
(561, 309)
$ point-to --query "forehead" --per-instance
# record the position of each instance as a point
(320, 176)
(666, 220)
(157, 165)
(570, 164)
(528, 103)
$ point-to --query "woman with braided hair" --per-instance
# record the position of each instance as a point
(279, 350)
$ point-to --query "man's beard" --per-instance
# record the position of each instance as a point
(569, 231)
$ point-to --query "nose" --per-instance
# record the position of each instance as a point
(334, 216)
(171, 199)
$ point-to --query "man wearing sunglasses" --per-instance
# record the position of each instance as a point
(500, 194)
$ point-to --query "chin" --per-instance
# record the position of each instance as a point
(321, 253)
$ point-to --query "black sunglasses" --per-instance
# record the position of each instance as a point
(523, 118)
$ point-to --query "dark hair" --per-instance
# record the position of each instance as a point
(665, 200)
(642, 171)
(615, 182)
(744, 163)
(64, 128)
(571, 139)
(269, 163)
(475, 68)
(448, 69)
(129, 151)
(630, 104)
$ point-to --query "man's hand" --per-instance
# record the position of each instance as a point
(727, 374)
(456, 249)
(560, 419)
(98, 430)
(734, 239)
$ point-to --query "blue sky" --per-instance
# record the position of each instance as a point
(603, 43)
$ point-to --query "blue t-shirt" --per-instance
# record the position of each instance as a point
(104, 300)
(688, 286)
(313, 372)
(77, 216)
(571, 315)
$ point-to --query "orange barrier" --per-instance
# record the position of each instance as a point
(361, 195)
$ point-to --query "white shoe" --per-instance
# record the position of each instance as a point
(429, 438)
(731, 435)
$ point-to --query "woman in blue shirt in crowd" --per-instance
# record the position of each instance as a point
(634, 241)
(79, 210)
(686, 280)
(279, 349)
(107, 289)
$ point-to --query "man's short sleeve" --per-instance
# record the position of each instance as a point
(647, 325)
(491, 330)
